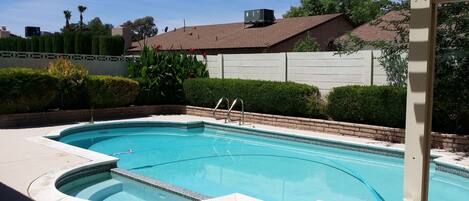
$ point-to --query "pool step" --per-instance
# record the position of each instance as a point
(121, 196)
(101, 190)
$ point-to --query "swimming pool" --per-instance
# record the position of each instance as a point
(216, 160)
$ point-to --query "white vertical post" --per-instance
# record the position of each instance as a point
(222, 65)
(372, 63)
(367, 71)
(285, 65)
(419, 99)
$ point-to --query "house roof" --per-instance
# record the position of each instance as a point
(235, 35)
(376, 32)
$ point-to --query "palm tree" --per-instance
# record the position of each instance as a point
(81, 9)
(68, 15)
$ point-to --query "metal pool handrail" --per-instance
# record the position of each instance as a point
(218, 105)
(228, 114)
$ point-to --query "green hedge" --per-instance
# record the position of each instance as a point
(48, 43)
(58, 43)
(69, 42)
(83, 43)
(21, 45)
(111, 45)
(35, 44)
(107, 91)
(283, 98)
(95, 45)
(8, 44)
(41, 44)
(377, 105)
(28, 45)
(25, 90)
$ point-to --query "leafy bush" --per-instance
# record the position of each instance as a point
(72, 83)
(308, 44)
(161, 75)
(25, 90)
(282, 98)
(107, 91)
(377, 105)
(83, 43)
(111, 45)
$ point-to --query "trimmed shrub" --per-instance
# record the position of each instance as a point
(377, 105)
(21, 45)
(107, 91)
(69, 42)
(28, 45)
(72, 83)
(25, 90)
(41, 44)
(282, 98)
(111, 45)
(48, 43)
(58, 43)
(8, 44)
(35, 44)
(95, 45)
(83, 43)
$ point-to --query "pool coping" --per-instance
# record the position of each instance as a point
(44, 187)
(161, 185)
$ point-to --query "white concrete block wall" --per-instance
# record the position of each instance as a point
(214, 66)
(379, 74)
(214, 63)
(325, 70)
(255, 66)
(96, 65)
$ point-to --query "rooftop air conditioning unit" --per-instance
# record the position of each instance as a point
(32, 31)
(259, 17)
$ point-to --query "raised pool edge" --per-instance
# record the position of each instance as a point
(385, 151)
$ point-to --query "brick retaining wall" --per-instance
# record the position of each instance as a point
(450, 142)
(83, 115)
(443, 141)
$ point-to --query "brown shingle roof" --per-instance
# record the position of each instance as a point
(376, 32)
(235, 35)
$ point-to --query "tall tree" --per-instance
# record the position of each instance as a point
(308, 44)
(357, 11)
(81, 9)
(97, 26)
(142, 29)
(451, 93)
(68, 15)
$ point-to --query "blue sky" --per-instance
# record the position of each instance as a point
(48, 14)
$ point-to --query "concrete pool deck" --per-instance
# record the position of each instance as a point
(23, 159)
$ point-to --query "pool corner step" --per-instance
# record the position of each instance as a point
(101, 190)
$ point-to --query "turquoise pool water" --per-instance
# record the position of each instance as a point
(215, 163)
